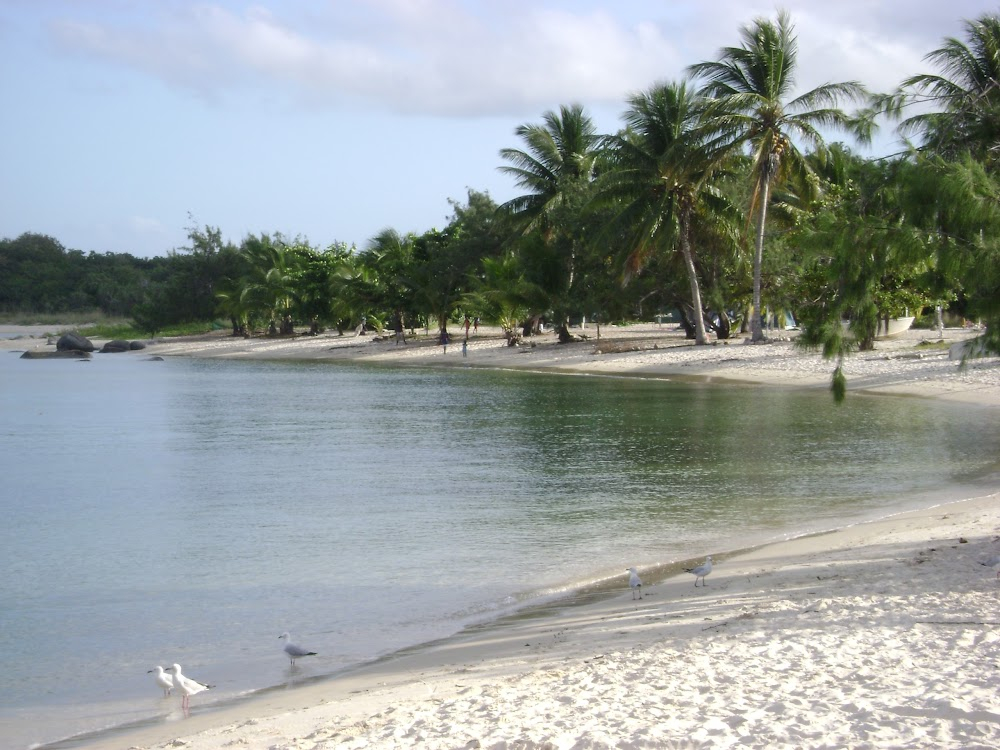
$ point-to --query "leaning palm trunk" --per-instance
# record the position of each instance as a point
(700, 338)
(756, 325)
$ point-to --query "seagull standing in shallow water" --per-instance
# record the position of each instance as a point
(293, 651)
(163, 679)
(701, 571)
(186, 685)
(635, 582)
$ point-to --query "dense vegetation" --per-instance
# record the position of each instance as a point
(718, 199)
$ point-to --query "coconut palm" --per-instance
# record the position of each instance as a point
(504, 294)
(966, 95)
(753, 85)
(389, 257)
(232, 305)
(556, 169)
(271, 287)
(561, 150)
(659, 179)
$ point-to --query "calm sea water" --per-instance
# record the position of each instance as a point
(190, 511)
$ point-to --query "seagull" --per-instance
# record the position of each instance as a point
(992, 563)
(701, 571)
(293, 651)
(635, 582)
(163, 679)
(186, 685)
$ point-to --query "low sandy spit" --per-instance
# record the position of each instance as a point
(881, 635)
(916, 363)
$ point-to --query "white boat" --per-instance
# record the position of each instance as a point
(893, 327)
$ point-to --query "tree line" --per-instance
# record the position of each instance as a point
(718, 198)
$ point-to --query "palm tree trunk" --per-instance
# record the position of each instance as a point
(700, 338)
(756, 327)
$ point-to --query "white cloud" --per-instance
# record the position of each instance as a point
(466, 58)
(830, 49)
(429, 57)
(876, 43)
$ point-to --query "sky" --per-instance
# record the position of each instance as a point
(124, 123)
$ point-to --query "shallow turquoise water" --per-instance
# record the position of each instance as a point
(191, 511)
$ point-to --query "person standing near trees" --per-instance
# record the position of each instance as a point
(398, 327)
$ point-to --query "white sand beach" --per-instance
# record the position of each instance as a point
(883, 635)
(915, 363)
(880, 635)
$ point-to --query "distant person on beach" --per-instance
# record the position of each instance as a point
(465, 347)
(467, 324)
(475, 325)
(398, 326)
(445, 340)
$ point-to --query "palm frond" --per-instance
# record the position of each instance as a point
(829, 96)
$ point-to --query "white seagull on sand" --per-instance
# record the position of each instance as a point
(992, 562)
(186, 685)
(701, 571)
(163, 679)
(294, 652)
(635, 582)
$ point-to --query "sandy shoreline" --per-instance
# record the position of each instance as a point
(881, 635)
(885, 634)
(915, 364)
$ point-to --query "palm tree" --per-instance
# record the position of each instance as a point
(753, 84)
(660, 179)
(556, 170)
(967, 94)
(232, 305)
(390, 259)
(504, 294)
(271, 287)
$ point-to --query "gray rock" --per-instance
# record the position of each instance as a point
(115, 346)
(74, 341)
(136, 346)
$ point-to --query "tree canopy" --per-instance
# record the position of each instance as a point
(670, 213)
